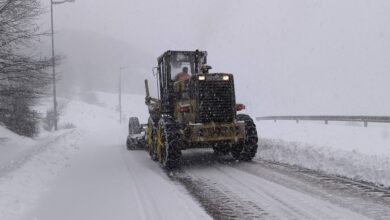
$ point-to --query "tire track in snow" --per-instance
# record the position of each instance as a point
(219, 202)
(228, 191)
(362, 197)
(137, 189)
(157, 195)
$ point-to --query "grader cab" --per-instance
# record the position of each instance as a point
(199, 112)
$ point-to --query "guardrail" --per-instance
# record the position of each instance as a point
(327, 118)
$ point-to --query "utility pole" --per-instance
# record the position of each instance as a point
(54, 62)
(54, 69)
(120, 93)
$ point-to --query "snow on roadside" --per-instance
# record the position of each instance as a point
(87, 108)
(133, 105)
(35, 162)
(16, 149)
(342, 149)
(20, 189)
(12, 146)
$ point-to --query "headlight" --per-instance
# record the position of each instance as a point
(201, 77)
(225, 78)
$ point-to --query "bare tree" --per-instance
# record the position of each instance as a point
(23, 76)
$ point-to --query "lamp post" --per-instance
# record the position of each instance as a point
(53, 60)
(120, 93)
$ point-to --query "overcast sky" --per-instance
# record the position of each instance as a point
(288, 57)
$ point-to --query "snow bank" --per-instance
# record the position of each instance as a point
(13, 146)
(33, 162)
(20, 189)
(15, 149)
(346, 149)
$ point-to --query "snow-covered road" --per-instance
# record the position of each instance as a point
(105, 181)
(87, 173)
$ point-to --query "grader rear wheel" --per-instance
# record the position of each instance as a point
(168, 143)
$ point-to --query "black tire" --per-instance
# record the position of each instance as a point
(134, 126)
(236, 150)
(249, 147)
(127, 144)
(151, 136)
(169, 143)
(130, 146)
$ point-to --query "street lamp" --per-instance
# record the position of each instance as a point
(53, 60)
(120, 93)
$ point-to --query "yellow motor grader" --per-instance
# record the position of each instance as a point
(198, 112)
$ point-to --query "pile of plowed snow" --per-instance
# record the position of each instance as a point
(345, 149)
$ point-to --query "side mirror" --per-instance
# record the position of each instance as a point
(155, 71)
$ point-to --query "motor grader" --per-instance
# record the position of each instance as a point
(200, 112)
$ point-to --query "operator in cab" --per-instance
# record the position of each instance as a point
(182, 76)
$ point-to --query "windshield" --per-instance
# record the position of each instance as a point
(180, 68)
(180, 64)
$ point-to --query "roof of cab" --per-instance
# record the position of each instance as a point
(186, 52)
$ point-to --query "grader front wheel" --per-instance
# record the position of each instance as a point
(168, 143)
(151, 139)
